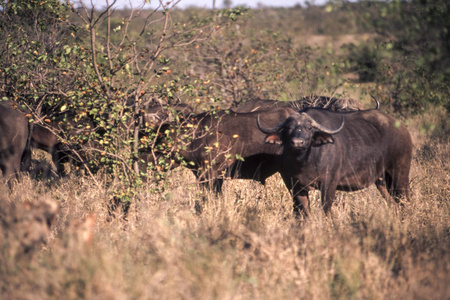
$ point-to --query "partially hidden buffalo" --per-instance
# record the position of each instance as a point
(222, 144)
(345, 151)
(15, 154)
(46, 139)
(14, 122)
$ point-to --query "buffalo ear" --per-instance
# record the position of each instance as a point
(273, 138)
(322, 138)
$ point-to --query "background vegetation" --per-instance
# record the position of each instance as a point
(92, 73)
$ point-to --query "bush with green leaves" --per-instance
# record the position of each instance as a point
(409, 58)
(90, 77)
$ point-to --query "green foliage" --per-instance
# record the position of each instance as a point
(91, 79)
(41, 14)
(410, 57)
(33, 35)
(245, 60)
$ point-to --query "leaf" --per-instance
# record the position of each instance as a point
(239, 157)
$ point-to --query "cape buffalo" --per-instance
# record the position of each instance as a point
(223, 144)
(45, 139)
(342, 151)
(37, 136)
(15, 154)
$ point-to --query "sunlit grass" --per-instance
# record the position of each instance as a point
(185, 243)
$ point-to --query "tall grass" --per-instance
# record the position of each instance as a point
(244, 244)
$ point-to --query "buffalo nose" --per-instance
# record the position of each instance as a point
(297, 143)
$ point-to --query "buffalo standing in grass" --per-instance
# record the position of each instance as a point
(15, 154)
(342, 151)
(228, 144)
(223, 144)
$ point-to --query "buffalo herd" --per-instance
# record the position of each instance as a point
(314, 143)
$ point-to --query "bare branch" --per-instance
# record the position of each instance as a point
(108, 38)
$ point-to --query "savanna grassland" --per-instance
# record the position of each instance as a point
(114, 236)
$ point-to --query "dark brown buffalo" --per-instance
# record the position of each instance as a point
(333, 104)
(223, 144)
(15, 154)
(39, 136)
(57, 138)
(45, 138)
(342, 151)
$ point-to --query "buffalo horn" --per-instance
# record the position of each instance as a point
(376, 100)
(269, 130)
(323, 128)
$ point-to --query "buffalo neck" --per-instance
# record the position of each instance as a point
(299, 158)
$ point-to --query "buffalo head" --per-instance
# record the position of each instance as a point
(299, 132)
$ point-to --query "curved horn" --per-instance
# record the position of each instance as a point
(323, 128)
(269, 130)
(376, 100)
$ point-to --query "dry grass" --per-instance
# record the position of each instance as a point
(244, 244)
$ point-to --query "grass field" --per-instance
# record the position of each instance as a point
(245, 244)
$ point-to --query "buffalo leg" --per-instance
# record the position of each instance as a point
(400, 175)
(58, 161)
(301, 202)
(217, 185)
(328, 193)
(384, 187)
(10, 168)
(25, 163)
(400, 184)
(6, 170)
(299, 196)
(393, 188)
